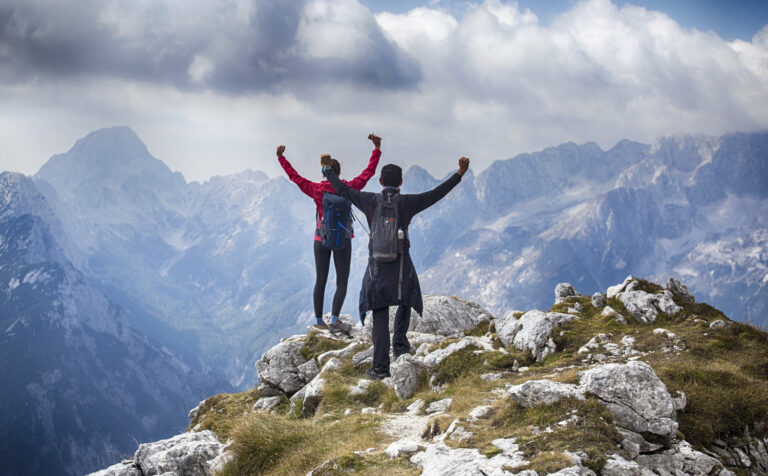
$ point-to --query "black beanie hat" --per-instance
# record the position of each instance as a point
(391, 175)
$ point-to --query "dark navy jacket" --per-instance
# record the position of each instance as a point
(380, 282)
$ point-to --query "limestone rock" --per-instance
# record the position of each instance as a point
(598, 300)
(364, 357)
(439, 459)
(404, 447)
(266, 404)
(543, 392)
(339, 354)
(638, 399)
(434, 358)
(439, 406)
(279, 366)
(507, 327)
(442, 315)
(308, 370)
(479, 413)
(680, 291)
(266, 390)
(535, 330)
(681, 458)
(641, 305)
(615, 290)
(313, 395)
(618, 466)
(406, 372)
(576, 470)
(184, 454)
(563, 291)
(718, 324)
(120, 469)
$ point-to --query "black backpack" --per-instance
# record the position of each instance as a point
(336, 224)
(386, 236)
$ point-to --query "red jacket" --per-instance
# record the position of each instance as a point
(315, 190)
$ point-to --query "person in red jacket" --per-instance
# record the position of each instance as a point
(342, 257)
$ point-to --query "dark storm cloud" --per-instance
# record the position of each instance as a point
(192, 45)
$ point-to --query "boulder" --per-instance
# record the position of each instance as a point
(507, 328)
(535, 329)
(641, 305)
(442, 315)
(184, 454)
(618, 466)
(543, 392)
(598, 300)
(406, 373)
(434, 358)
(615, 290)
(265, 404)
(680, 291)
(313, 395)
(680, 459)
(364, 357)
(128, 468)
(440, 459)
(404, 447)
(563, 291)
(266, 390)
(279, 366)
(638, 399)
(439, 406)
(718, 324)
(308, 370)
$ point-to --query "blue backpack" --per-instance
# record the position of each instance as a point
(336, 225)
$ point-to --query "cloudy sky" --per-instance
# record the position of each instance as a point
(213, 86)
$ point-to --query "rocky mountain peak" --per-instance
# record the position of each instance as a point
(621, 382)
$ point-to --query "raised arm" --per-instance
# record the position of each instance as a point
(420, 202)
(358, 183)
(306, 186)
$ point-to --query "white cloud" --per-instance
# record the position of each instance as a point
(490, 84)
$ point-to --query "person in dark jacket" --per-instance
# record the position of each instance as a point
(392, 283)
(341, 257)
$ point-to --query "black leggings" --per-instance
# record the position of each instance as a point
(341, 260)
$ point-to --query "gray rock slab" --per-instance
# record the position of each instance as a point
(635, 395)
(279, 366)
(535, 330)
(187, 454)
(535, 393)
(406, 374)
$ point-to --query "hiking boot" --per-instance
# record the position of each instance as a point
(397, 353)
(371, 373)
(320, 327)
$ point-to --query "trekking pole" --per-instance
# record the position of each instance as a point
(361, 223)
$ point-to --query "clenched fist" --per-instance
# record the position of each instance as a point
(463, 165)
(280, 150)
(375, 139)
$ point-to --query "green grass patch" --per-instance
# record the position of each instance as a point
(481, 329)
(220, 412)
(316, 343)
(548, 462)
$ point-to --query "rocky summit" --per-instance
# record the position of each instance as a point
(639, 380)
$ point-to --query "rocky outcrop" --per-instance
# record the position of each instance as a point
(279, 366)
(638, 399)
(643, 414)
(188, 454)
(542, 392)
(532, 331)
(442, 315)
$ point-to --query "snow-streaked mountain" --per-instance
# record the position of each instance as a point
(692, 207)
(218, 271)
(79, 383)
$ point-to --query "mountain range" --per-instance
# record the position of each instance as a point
(128, 285)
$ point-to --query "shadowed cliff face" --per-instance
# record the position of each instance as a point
(80, 384)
